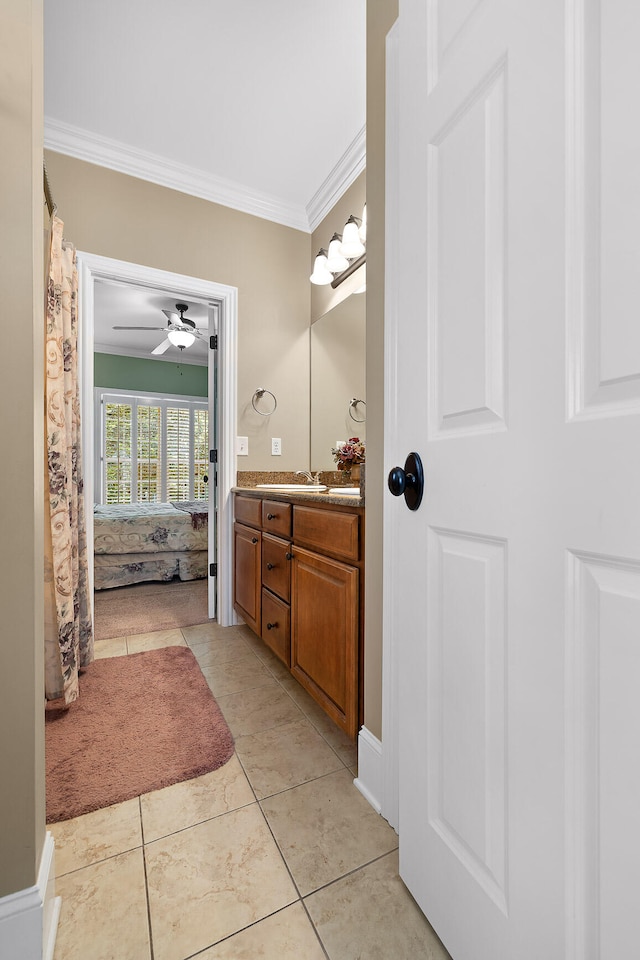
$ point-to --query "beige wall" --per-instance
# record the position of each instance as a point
(22, 815)
(381, 15)
(114, 215)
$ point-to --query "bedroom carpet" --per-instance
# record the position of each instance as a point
(142, 722)
(146, 607)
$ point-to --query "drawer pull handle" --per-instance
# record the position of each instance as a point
(288, 556)
(254, 539)
(269, 566)
(271, 516)
(271, 626)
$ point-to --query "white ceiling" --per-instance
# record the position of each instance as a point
(123, 304)
(259, 104)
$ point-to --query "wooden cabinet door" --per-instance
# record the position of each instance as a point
(324, 634)
(247, 574)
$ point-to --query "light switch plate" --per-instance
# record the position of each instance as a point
(242, 446)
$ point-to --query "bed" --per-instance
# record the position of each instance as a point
(134, 542)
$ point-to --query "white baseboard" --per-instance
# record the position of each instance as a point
(370, 771)
(29, 918)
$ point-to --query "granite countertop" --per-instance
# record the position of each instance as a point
(315, 496)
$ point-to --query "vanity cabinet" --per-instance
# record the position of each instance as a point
(305, 593)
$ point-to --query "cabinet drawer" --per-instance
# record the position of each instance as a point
(327, 530)
(276, 517)
(248, 510)
(276, 566)
(276, 626)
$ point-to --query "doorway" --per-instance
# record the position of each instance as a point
(222, 379)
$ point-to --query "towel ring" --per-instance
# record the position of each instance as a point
(352, 408)
(260, 392)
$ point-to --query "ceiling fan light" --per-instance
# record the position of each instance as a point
(351, 245)
(336, 263)
(321, 274)
(181, 338)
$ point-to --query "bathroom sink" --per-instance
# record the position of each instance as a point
(345, 491)
(297, 487)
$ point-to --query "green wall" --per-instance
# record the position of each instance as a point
(156, 376)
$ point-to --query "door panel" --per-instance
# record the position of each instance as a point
(604, 209)
(466, 253)
(516, 583)
(467, 714)
(603, 671)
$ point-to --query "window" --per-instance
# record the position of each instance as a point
(154, 448)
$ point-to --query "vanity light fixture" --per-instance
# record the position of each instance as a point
(346, 253)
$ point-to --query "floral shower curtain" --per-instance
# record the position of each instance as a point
(68, 622)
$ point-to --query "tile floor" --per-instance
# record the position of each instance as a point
(276, 855)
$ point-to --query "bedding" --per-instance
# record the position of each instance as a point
(134, 542)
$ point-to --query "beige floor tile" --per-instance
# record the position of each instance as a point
(258, 646)
(285, 756)
(212, 880)
(234, 676)
(96, 836)
(104, 911)
(192, 801)
(326, 828)
(222, 650)
(210, 632)
(262, 708)
(287, 935)
(371, 914)
(115, 647)
(153, 641)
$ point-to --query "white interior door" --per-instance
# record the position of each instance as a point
(517, 581)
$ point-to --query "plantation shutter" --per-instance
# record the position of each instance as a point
(178, 434)
(118, 450)
(149, 422)
(200, 453)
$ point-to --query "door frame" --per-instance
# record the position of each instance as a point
(389, 801)
(91, 268)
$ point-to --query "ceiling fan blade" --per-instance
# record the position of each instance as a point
(137, 328)
(171, 317)
(162, 347)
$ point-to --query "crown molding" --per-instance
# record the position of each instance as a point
(143, 354)
(349, 166)
(115, 155)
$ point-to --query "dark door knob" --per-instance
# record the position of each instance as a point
(271, 626)
(271, 516)
(254, 539)
(409, 481)
(269, 566)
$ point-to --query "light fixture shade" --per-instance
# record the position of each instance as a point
(335, 261)
(351, 245)
(180, 338)
(362, 232)
(321, 274)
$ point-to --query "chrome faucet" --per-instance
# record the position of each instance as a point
(310, 477)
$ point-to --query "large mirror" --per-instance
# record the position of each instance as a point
(337, 379)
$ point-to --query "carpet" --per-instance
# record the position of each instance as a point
(145, 607)
(141, 722)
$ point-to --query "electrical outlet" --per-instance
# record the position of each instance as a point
(276, 446)
(242, 446)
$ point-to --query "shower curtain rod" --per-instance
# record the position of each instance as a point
(51, 204)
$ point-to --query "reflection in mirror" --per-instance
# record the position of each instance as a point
(337, 378)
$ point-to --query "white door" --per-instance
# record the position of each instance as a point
(517, 581)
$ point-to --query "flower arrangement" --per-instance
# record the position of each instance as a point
(348, 454)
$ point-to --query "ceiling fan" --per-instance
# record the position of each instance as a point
(181, 332)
